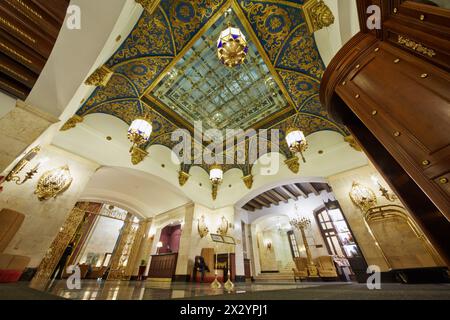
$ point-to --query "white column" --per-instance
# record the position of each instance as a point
(239, 252)
(256, 264)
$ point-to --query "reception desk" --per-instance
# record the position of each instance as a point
(163, 266)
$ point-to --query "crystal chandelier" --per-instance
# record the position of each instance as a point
(139, 131)
(232, 47)
(296, 141)
(216, 177)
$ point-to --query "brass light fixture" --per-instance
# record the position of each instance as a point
(202, 228)
(216, 177)
(223, 227)
(296, 141)
(53, 182)
(14, 174)
(362, 196)
(232, 46)
(384, 192)
(302, 224)
(139, 131)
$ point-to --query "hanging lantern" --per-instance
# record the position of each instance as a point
(216, 174)
(296, 141)
(216, 177)
(139, 131)
(232, 47)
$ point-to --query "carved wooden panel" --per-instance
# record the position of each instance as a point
(163, 265)
(28, 32)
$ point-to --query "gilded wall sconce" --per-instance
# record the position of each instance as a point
(223, 227)
(202, 228)
(390, 196)
(362, 196)
(14, 174)
(53, 182)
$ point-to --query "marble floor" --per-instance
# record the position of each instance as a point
(136, 290)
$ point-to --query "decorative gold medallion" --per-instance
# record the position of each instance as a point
(53, 182)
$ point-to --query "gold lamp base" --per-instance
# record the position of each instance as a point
(216, 284)
(229, 286)
(312, 271)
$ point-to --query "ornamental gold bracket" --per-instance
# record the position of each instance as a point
(137, 155)
(72, 122)
(183, 177)
(248, 181)
(215, 188)
(293, 164)
(352, 142)
(100, 77)
(317, 15)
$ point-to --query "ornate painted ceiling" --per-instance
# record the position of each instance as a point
(167, 68)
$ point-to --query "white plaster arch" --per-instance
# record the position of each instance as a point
(140, 192)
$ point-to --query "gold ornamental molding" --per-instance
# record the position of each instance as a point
(137, 155)
(17, 30)
(14, 52)
(317, 15)
(352, 142)
(415, 46)
(183, 177)
(71, 123)
(149, 5)
(248, 181)
(293, 164)
(100, 77)
(53, 182)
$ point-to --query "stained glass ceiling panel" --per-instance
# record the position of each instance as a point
(201, 88)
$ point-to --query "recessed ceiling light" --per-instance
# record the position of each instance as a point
(320, 152)
(109, 138)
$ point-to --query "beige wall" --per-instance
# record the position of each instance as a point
(43, 219)
(19, 128)
(396, 247)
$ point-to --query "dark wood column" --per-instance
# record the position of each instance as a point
(391, 88)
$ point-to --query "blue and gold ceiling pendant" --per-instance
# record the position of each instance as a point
(232, 46)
